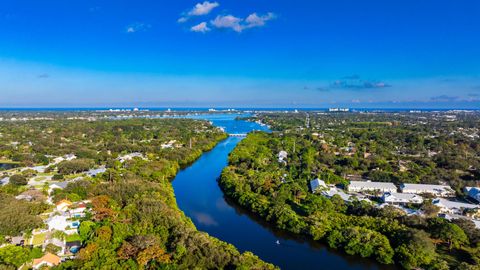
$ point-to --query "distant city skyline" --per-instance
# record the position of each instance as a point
(304, 54)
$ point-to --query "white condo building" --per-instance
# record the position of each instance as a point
(436, 190)
(359, 186)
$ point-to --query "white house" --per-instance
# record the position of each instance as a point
(130, 157)
(335, 191)
(4, 181)
(346, 197)
(58, 223)
(437, 190)
(78, 210)
(317, 184)
(94, 172)
(70, 157)
(66, 157)
(452, 207)
(282, 155)
(63, 205)
(359, 186)
(401, 198)
(58, 185)
(473, 192)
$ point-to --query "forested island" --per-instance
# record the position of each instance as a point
(273, 175)
(92, 192)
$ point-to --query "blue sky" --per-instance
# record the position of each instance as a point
(231, 53)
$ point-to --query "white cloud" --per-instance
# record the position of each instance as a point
(203, 8)
(182, 19)
(137, 27)
(228, 21)
(239, 24)
(253, 20)
(201, 28)
(199, 10)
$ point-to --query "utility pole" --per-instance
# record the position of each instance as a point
(190, 142)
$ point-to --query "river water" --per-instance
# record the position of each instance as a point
(199, 196)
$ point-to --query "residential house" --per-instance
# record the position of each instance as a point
(17, 241)
(61, 223)
(58, 185)
(345, 197)
(4, 181)
(401, 198)
(78, 210)
(335, 191)
(48, 259)
(361, 186)
(436, 190)
(66, 157)
(317, 184)
(31, 195)
(94, 172)
(38, 169)
(282, 156)
(24, 197)
(130, 157)
(473, 192)
(170, 144)
(452, 207)
(63, 205)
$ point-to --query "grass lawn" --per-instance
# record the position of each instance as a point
(38, 239)
(40, 178)
(6, 161)
(73, 237)
(72, 176)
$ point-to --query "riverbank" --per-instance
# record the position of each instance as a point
(200, 197)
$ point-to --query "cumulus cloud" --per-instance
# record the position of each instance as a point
(239, 24)
(253, 20)
(203, 8)
(201, 28)
(137, 27)
(228, 21)
(199, 10)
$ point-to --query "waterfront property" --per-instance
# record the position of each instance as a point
(435, 190)
(360, 186)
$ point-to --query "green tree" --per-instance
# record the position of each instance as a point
(14, 255)
(18, 180)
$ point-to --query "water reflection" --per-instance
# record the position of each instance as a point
(204, 219)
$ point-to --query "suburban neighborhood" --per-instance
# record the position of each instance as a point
(58, 238)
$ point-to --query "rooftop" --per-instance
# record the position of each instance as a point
(373, 185)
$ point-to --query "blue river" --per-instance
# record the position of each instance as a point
(199, 196)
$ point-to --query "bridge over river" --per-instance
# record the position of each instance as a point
(237, 135)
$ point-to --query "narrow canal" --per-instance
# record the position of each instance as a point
(200, 197)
